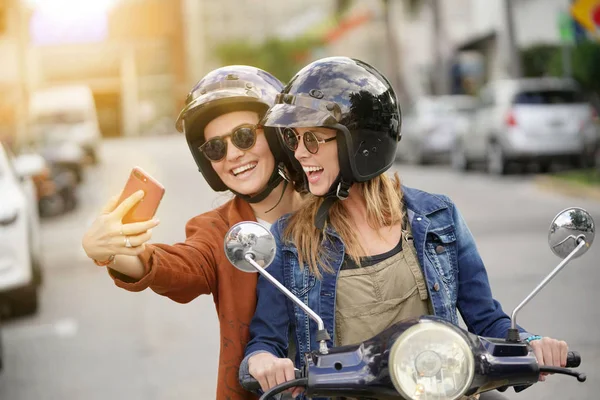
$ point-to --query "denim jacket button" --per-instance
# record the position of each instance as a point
(436, 287)
(439, 249)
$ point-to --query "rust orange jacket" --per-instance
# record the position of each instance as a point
(198, 266)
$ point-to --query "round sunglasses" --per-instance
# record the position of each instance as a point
(311, 141)
(243, 137)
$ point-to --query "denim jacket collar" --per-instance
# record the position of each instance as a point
(421, 203)
(416, 201)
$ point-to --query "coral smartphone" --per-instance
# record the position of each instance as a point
(145, 208)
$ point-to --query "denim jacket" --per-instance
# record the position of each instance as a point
(455, 275)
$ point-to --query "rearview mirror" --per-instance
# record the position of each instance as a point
(571, 234)
(568, 228)
(250, 247)
(249, 238)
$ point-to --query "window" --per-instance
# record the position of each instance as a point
(549, 97)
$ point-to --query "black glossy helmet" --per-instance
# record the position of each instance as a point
(228, 89)
(357, 101)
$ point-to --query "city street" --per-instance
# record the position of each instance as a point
(93, 341)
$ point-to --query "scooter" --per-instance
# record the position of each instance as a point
(57, 186)
(418, 359)
(57, 191)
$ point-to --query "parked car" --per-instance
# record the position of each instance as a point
(1, 348)
(56, 184)
(539, 120)
(430, 126)
(65, 114)
(58, 151)
(20, 239)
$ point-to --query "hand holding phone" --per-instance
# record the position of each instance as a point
(146, 208)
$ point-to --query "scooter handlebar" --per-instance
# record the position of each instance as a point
(573, 359)
(252, 385)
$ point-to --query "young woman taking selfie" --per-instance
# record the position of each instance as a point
(220, 122)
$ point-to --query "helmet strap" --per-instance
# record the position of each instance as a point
(339, 190)
(285, 183)
(277, 176)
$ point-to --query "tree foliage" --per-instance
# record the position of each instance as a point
(546, 60)
(281, 57)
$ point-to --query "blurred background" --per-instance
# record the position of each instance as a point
(500, 102)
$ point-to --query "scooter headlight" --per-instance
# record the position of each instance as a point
(431, 361)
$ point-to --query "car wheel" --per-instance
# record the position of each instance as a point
(459, 159)
(38, 275)
(421, 161)
(78, 175)
(51, 206)
(25, 302)
(418, 158)
(70, 199)
(1, 347)
(496, 161)
(579, 162)
(545, 167)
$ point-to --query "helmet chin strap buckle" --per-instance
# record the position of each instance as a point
(341, 193)
(282, 172)
(343, 190)
(274, 181)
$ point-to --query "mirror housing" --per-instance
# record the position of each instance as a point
(568, 228)
(571, 234)
(250, 247)
(249, 238)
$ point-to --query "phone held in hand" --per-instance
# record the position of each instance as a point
(146, 208)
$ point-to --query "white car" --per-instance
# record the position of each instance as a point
(539, 120)
(20, 240)
(64, 114)
(430, 127)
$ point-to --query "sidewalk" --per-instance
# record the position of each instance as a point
(568, 188)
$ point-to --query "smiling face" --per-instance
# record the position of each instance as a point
(245, 172)
(323, 167)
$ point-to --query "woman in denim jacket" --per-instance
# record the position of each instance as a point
(383, 254)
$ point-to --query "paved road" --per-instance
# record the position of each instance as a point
(91, 340)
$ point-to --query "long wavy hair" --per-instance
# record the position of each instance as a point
(382, 196)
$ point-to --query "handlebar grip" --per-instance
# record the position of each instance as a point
(252, 385)
(573, 359)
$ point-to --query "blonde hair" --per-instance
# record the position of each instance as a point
(383, 199)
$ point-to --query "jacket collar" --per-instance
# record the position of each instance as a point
(422, 203)
(417, 202)
(239, 210)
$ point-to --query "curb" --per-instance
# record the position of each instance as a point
(557, 185)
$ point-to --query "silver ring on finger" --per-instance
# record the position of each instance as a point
(127, 242)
